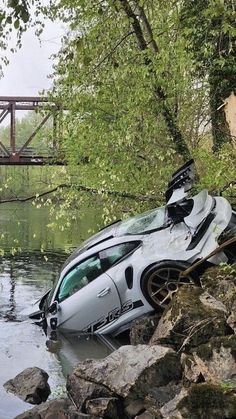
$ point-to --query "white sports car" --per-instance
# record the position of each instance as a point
(133, 267)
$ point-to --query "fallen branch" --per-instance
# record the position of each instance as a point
(199, 262)
(195, 328)
(83, 189)
(225, 187)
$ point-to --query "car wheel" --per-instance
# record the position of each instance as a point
(161, 281)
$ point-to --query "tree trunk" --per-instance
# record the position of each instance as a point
(220, 128)
(169, 118)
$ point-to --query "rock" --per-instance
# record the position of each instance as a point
(169, 410)
(104, 407)
(191, 319)
(30, 385)
(220, 282)
(159, 396)
(231, 320)
(54, 409)
(133, 407)
(132, 370)
(81, 390)
(151, 402)
(191, 371)
(142, 329)
(146, 415)
(214, 361)
(201, 401)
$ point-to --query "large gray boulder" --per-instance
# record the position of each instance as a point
(31, 385)
(192, 318)
(131, 370)
(214, 361)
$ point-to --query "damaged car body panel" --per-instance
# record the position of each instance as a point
(133, 267)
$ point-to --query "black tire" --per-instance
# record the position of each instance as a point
(160, 282)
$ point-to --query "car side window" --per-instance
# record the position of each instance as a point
(80, 276)
(113, 254)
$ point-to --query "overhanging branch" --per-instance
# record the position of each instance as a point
(81, 188)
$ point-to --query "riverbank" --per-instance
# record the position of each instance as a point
(186, 369)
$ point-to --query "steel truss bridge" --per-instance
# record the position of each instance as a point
(15, 153)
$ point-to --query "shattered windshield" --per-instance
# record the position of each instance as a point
(143, 223)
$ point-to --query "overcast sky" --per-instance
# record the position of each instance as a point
(26, 75)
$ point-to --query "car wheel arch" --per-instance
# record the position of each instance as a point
(164, 264)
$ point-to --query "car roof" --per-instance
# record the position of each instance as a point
(103, 235)
(110, 236)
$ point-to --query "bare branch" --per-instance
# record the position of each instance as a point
(113, 50)
(83, 189)
(225, 187)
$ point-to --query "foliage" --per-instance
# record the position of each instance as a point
(228, 387)
(136, 79)
(116, 122)
(216, 170)
(209, 27)
(114, 70)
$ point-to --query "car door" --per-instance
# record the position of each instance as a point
(116, 260)
(88, 299)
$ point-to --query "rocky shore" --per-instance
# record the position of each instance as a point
(180, 364)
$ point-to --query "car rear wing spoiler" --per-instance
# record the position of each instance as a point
(181, 182)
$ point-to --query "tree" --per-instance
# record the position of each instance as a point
(209, 27)
(124, 90)
(136, 93)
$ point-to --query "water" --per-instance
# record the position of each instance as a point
(24, 278)
(28, 227)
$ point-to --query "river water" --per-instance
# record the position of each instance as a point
(24, 277)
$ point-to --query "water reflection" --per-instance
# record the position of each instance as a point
(25, 227)
(72, 348)
(23, 280)
(10, 313)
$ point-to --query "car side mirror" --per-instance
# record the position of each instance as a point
(54, 307)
